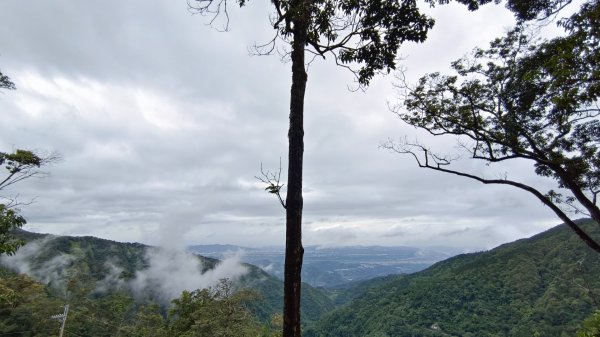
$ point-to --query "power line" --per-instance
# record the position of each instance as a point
(19, 332)
(95, 319)
(74, 333)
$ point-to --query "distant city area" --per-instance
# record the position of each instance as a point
(336, 266)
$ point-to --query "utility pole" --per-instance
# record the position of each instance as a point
(63, 318)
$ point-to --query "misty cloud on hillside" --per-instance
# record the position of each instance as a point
(51, 272)
(170, 271)
(112, 280)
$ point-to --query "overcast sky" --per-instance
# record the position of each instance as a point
(162, 122)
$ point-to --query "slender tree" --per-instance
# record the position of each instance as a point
(362, 36)
(522, 99)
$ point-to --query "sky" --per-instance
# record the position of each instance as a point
(162, 123)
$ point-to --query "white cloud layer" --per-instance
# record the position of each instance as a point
(163, 122)
(172, 271)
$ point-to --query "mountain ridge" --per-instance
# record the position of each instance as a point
(530, 287)
(332, 267)
(101, 261)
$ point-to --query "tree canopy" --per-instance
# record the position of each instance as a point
(364, 33)
(218, 311)
(522, 99)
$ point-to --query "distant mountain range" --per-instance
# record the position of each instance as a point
(332, 267)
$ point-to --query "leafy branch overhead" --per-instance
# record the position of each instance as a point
(23, 164)
(19, 165)
(365, 33)
(522, 99)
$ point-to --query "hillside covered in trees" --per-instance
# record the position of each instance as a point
(114, 287)
(542, 286)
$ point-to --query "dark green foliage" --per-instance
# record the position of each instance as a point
(379, 28)
(344, 295)
(545, 285)
(5, 82)
(532, 9)
(535, 103)
(92, 257)
(20, 165)
(524, 10)
(9, 221)
(147, 322)
(365, 33)
(20, 160)
(218, 312)
(25, 306)
(315, 302)
(591, 326)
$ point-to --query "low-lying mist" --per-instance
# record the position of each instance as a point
(169, 271)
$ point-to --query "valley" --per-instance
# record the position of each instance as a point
(332, 267)
(542, 286)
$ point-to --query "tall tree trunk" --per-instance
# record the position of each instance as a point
(294, 251)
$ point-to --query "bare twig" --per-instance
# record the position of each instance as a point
(212, 9)
(272, 179)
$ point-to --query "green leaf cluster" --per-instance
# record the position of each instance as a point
(19, 160)
(9, 221)
(591, 326)
(354, 32)
(218, 312)
(20, 165)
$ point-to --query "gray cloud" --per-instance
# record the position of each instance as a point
(163, 123)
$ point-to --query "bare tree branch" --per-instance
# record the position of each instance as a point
(212, 9)
(272, 179)
(434, 162)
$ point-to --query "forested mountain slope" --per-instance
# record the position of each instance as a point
(104, 267)
(542, 286)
